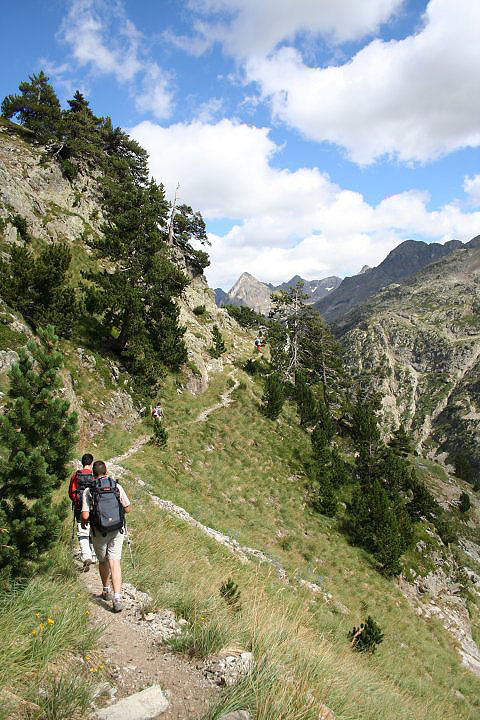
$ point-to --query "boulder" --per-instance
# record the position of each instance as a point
(142, 705)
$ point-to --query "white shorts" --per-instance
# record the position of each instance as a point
(108, 546)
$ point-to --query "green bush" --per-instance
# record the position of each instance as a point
(69, 170)
(273, 396)
(367, 637)
(230, 592)
(464, 505)
(199, 310)
(218, 347)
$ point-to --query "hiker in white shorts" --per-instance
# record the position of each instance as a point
(108, 545)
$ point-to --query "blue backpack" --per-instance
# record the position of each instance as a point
(106, 511)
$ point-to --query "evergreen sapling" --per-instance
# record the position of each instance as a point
(39, 434)
(218, 347)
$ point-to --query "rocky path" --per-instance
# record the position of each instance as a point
(134, 657)
(225, 400)
(132, 647)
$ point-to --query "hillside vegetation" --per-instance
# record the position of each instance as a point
(259, 482)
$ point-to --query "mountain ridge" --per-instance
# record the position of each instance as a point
(402, 262)
(253, 293)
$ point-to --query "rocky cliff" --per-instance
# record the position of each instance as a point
(420, 344)
(33, 188)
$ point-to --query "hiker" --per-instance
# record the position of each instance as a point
(80, 480)
(105, 504)
(258, 344)
(157, 412)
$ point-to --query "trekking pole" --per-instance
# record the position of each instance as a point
(129, 543)
(73, 531)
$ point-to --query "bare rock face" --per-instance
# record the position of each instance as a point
(251, 292)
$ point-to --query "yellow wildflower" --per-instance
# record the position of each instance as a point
(92, 669)
(42, 626)
(34, 632)
(37, 615)
(101, 666)
(50, 621)
(87, 657)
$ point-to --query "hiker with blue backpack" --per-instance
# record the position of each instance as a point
(104, 505)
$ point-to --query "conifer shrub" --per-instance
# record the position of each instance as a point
(218, 347)
(69, 170)
(367, 637)
(230, 592)
(20, 224)
(445, 530)
(160, 435)
(322, 496)
(464, 505)
(199, 310)
(273, 396)
(39, 433)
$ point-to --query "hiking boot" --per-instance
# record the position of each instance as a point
(107, 595)
(86, 564)
(117, 605)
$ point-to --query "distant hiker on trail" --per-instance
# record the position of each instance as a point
(157, 412)
(105, 504)
(258, 344)
(80, 480)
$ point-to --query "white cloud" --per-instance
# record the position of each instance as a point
(471, 185)
(103, 39)
(255, 27)
(415, 99)
(284, 222)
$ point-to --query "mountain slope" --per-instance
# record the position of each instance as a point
(242, 475)
(420, 341)
(401, 263)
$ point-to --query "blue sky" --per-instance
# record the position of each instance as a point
(314, 135)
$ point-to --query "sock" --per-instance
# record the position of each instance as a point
(117, 596)
(107, 589)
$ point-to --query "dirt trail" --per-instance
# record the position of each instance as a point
(225, 400)
(134, 658)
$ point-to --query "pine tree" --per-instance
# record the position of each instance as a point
(401, 442)
(373, 524)
(37, 108)
(304, 397)
(321, 359)
(322, 496)
(285, 330)
(366, 637)
(273, 397)
(218, 347)
(135, 296)
(463, 467)
(39, 434)
(39, 286)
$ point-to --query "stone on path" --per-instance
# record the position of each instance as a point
(141, 706)
(237, 715)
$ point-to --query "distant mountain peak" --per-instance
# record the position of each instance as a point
(257, 295)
